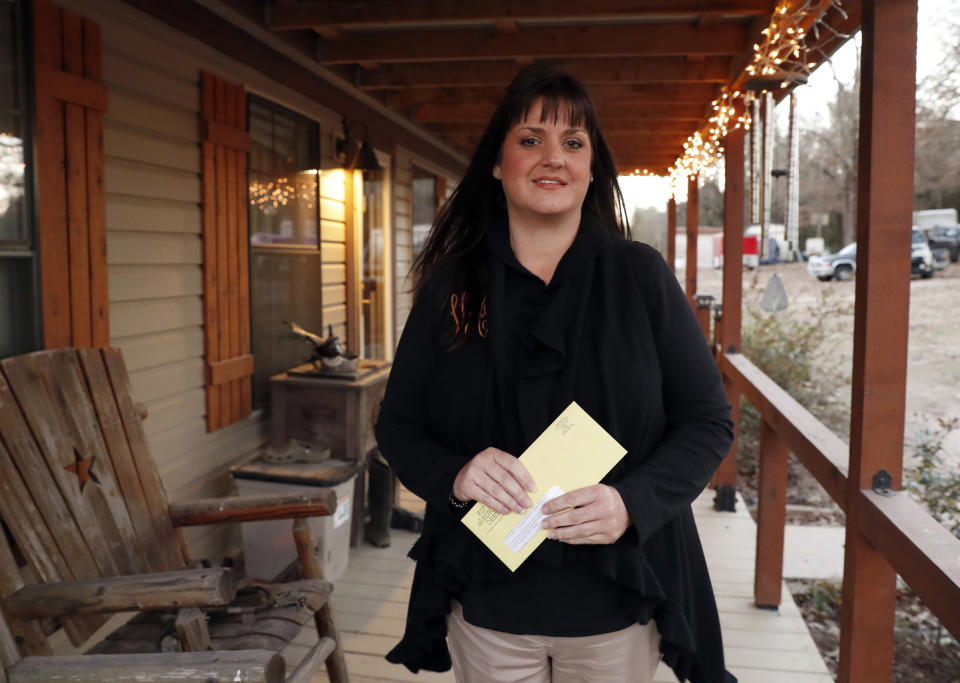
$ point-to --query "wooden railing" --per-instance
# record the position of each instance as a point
(918, 547)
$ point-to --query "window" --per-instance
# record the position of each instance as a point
(19, 320)
(285, 267)
(424, 206)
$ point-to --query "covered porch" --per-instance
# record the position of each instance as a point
(760, 646)
(181, 166)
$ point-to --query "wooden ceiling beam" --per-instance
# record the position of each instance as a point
(629, 93)
(590, 71)
(583, 41)
(335, 14)
(429, 113)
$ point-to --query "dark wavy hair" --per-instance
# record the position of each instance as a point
(459, 228)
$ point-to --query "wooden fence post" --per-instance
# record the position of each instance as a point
(732, 305)
(771, 518)
(672, 233)
(693, 230)
(881, 319)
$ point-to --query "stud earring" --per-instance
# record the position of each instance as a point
(591, 179)
(496, 173)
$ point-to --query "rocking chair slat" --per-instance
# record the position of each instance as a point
(149, 556)
(154, 492)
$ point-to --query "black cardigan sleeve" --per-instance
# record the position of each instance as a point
(699, 429)
(423, 464)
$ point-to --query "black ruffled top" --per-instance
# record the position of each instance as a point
(616, 334)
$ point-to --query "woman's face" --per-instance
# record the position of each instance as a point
(544, 167)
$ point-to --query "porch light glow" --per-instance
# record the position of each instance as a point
(782, 57)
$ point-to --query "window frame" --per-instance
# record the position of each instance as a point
(27, 247)
(260, 399)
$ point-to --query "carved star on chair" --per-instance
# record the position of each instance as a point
(83, 468)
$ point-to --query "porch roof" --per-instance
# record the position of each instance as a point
(653, 66)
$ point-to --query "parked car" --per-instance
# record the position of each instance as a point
(946, 237)
(841, 265)
(941, 258)
(921, 258)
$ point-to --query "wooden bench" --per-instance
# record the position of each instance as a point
(94, 534)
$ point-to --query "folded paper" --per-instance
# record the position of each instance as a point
(573, 452)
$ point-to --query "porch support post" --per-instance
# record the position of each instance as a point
(884, 205)
(693, 228)
(771, 519)
(672, 233)
(733, 223)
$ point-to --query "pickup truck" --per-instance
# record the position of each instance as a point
(945, 237)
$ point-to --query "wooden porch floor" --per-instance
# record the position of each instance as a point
(761, 646)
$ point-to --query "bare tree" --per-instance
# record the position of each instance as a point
(937, 166)
(828, 169)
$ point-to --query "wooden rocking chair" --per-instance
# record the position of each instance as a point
(84, 502)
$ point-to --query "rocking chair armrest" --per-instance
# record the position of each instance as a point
(161, 590)
(250, 666)
(315, 502)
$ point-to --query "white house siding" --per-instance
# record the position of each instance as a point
(154, 252)
(403, 237)
(333, 231)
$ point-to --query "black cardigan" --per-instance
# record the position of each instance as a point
(618, 337)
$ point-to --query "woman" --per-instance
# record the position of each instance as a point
(529, 297)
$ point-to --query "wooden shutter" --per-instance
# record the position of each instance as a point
(71, 206)
(226, 277)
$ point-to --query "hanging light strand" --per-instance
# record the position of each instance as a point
(783, 55)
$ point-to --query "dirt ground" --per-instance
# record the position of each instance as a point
(933, 353)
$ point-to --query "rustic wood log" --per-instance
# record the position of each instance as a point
(308, 553)
(249, 666)
(191, 625)
(306, 503)
(164, 590)
(318, 653)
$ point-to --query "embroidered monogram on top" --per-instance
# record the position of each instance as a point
(458, 309)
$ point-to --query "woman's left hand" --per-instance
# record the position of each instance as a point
(598, 516)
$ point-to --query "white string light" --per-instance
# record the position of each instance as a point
(271, 195)
(782, 56)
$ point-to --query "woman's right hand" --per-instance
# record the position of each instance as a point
(496, 479)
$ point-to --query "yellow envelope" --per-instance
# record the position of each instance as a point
(573, 452)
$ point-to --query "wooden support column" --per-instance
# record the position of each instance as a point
(771, 518)
(693, 229)
(884, 205)
(731, 309)
(672, 233)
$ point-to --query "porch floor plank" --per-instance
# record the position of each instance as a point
(370, 599)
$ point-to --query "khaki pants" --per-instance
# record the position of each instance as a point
(481, 655)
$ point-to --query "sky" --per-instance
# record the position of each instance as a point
(812, 98)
